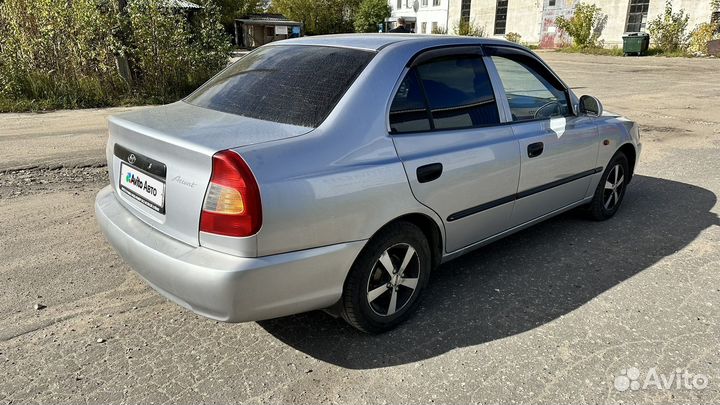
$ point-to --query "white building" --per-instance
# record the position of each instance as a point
(421, 16)
(534, 20)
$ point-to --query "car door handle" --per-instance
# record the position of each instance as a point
(535, 149)
(429, 172)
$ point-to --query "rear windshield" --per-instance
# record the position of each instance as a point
(296, 85)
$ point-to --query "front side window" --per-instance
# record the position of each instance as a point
(530, 95)
(637, 15)
(452, 92)
(296, 85)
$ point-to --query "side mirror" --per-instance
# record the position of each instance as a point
(590, 105)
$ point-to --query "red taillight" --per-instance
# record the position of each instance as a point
(232, 202)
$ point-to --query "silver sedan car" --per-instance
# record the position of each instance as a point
(336, 172)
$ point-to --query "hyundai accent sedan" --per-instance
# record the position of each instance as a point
(336, 172)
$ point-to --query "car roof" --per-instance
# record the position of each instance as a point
(375, 42)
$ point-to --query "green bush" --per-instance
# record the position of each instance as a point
(439, 30)
(513, 37)
(585, 25)
(61, 54)
(469, 28)
(667, 31)
(370, 14)
(701, 35)
(169, 57)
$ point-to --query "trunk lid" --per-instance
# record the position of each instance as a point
(182, 138)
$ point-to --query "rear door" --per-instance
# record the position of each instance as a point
(459, 160)
(558, 149)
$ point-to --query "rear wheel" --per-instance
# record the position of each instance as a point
(385, 282)
(611, 190)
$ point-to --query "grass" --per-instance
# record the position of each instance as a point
(672, 54)
(41, 92)
(17, 105)
(619, 52)
(592, 51)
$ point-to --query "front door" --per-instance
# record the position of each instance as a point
(459, 161)
(558, 149)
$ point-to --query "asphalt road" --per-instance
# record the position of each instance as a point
(567, 311)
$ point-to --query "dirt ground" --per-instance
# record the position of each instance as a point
(567, 311)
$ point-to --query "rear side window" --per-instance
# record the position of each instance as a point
(297, 85)
(454, 92)
(408, 112)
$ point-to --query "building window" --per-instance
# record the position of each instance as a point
(424, 3)
(436, 2)
(551, 3)
(500, 17)
(423, 27)
(433, 27)
(637, 15)
(465, 10)
(399, 4)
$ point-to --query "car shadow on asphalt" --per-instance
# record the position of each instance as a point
(520, 282)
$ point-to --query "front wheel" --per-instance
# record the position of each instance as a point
(611, 189)
(385, 282)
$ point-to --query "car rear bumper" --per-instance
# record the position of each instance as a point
(221, 286)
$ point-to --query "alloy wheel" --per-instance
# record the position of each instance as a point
(393, 280)
(614, 184)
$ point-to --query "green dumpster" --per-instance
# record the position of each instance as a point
(636, 43)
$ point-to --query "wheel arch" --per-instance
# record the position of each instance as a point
(629, 151)
(430, 229)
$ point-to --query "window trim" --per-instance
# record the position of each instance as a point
(444, 51)
(429, 54)
(547, 73)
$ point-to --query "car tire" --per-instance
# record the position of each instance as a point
(371, 289)
(611, 189)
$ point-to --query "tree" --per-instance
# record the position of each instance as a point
(585, 26)
(232, 9)
(370, 14)
(319, 16)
